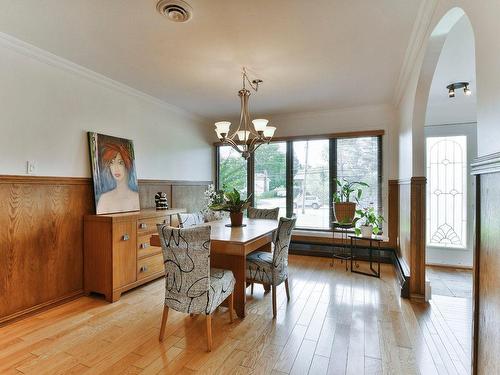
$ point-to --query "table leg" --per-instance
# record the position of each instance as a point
(237, 264)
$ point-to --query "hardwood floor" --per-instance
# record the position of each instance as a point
(335, 323)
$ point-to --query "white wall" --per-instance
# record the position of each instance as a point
(483, 18)
(47, 105)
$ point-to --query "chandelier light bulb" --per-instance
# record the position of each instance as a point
(243, 135)
(260, 124)
(269, 131)
(222, 127)
(451, 93)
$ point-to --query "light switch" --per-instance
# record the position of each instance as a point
(30, 167)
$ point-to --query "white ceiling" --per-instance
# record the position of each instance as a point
(312, 55)
(456, 64)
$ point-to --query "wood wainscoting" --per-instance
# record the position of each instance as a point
(412, 232)
(486, 335)
(41, 237)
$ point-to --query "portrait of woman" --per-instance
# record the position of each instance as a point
(114, 174)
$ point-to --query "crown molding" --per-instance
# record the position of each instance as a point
(51, 59)
(417, 42)
(486, 164)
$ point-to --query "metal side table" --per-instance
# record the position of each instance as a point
(375, 242)
(343, 254)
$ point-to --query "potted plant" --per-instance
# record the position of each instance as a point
(371, 223)
(344, 207)
(232, 203)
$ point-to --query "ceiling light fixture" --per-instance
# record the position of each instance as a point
(458, 85)
(248, 139)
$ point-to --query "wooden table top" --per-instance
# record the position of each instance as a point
(254, 229)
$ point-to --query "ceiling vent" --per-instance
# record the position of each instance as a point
(175, 10)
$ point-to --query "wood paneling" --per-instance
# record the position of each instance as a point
(486, 345)
(41, 258)
(404, 220)
(41, 238)
(417, 238)
(393, 214)
(412, 232)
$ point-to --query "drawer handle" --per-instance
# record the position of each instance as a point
(143, 225)
(126, 237)
(144, 245)
(143, 269)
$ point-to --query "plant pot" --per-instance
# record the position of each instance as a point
(344, 211)
(366, 231)
(236, 219)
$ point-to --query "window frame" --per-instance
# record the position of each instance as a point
(332, 138)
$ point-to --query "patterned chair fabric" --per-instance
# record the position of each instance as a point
(263, 213)
(191, 286)
(189, 220)
(272, 268)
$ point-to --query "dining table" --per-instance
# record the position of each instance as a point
(229, 247)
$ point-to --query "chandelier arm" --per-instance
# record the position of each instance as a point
(233, 144)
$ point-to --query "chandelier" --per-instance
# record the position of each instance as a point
(245, 139)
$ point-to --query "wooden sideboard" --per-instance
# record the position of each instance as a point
(118, 255)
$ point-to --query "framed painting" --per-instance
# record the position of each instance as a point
(114, 175)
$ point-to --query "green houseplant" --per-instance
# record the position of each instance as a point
(232, 203)
(371, 223)
(344, 206)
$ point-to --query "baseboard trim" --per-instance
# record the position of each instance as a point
(18, 315)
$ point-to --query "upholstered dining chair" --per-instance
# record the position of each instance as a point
(189, 220)
(263, 213)
(272, 268)
(191, 286)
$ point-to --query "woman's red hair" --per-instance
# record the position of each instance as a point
(110, 150)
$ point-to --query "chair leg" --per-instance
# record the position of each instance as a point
(163, 322)
(251, 289)
(274, 300)
(209, 332)
(287, 290)
(231, 306)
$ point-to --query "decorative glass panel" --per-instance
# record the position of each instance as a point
(447, 191)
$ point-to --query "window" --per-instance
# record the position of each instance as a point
(297, 175)
(232, 170)
(270, 176)
(447, 191)
(358, 160)
(311, 183)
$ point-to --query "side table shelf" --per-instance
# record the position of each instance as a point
(344, 254)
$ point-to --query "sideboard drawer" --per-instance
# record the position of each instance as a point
(149, 266)
(144, 248)
(148, 225)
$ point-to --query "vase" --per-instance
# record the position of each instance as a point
(366, 231)
(236, 219)
(344, 212)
